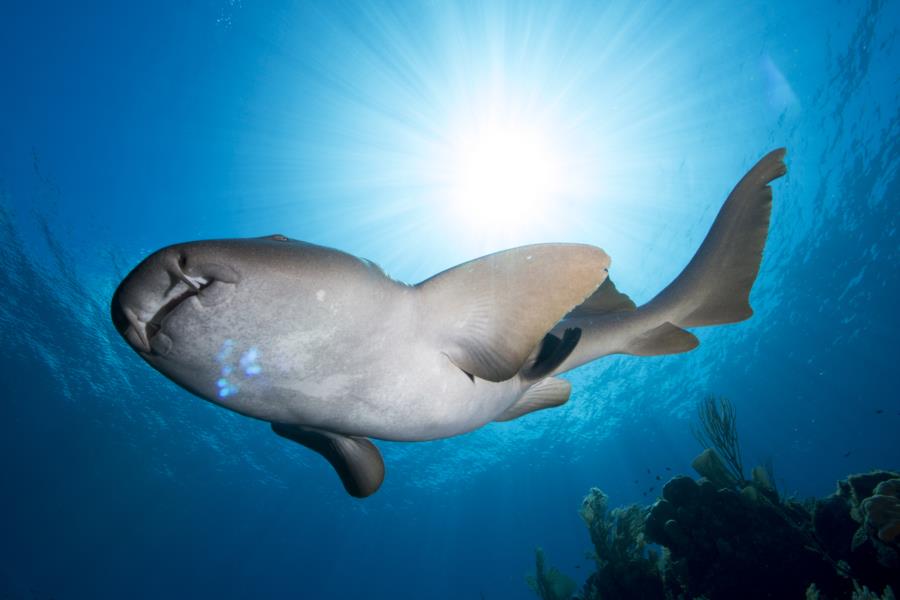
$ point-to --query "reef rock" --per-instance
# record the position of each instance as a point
(681, 490)
(881, 511)
(856, 488)
(726, 544)
(858, 525)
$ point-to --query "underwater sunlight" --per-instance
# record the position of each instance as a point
(257, 418)
(505, 178)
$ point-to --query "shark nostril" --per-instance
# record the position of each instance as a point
(179, 274)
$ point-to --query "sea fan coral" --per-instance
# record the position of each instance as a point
(549, 583)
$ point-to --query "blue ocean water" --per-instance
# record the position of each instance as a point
(127, 127)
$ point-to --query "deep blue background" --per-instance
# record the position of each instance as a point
(124, 128)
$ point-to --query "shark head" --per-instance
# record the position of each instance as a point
(176, 279)
(200, 312)
(221, 317)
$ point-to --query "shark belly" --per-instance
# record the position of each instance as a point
(331, 375)
(428, 398)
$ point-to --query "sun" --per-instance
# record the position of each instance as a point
(505, 176)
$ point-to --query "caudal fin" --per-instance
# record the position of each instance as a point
(715, 286)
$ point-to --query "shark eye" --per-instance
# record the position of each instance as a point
(278, 238)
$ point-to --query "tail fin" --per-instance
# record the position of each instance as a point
(715, 286)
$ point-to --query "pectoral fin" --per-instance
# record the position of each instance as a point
(546, 393)
(356, 460)
(488, 315)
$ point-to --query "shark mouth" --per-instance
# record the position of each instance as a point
(141, 328)
(152, 327)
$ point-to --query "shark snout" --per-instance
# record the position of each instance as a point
(126, 323)
(159, 286)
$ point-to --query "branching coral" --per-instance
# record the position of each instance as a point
(859, 593)
(718, 431)
(549, 584)
(626, 568)
(618, 535)
(863, 593)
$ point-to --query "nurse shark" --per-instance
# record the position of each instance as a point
(331, 351)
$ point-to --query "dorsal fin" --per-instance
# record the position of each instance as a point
(355, 459)
(546, 393)
(607, 299)
(490, 314)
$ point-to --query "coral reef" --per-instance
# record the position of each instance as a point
(724, 536)
(744, 541)
(740, 540)
(549, 583)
